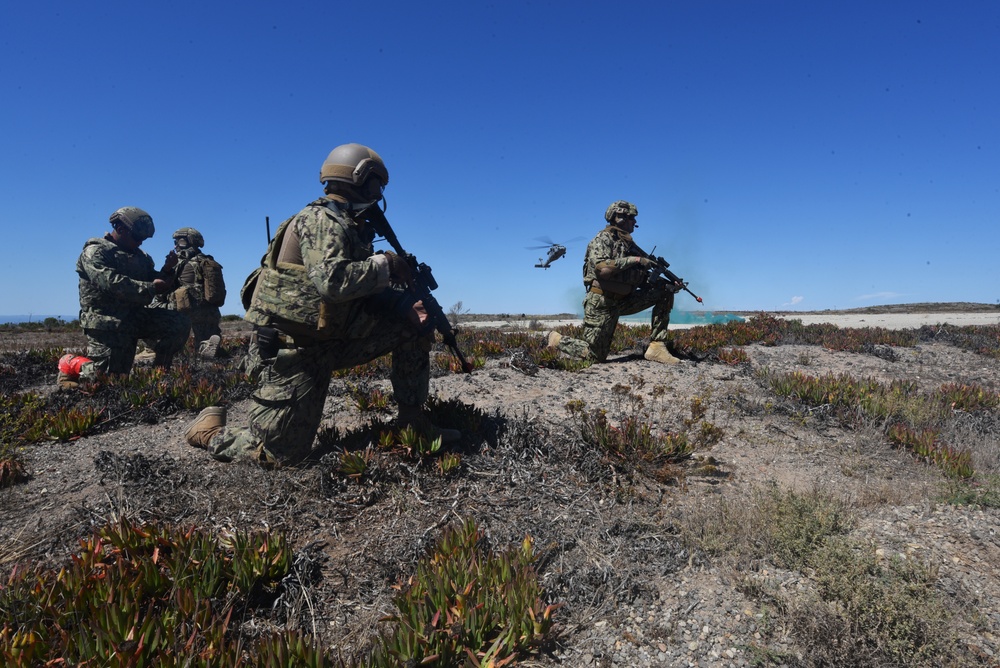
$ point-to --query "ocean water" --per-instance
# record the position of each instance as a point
(685, 317)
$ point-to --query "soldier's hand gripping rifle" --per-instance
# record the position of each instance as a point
(660, 268)
(422, 284)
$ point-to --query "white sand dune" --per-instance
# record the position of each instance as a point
(840, 319)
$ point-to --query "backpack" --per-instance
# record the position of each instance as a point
(213, 286)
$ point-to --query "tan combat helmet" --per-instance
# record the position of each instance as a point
(192, 235)
(135, 220)
(620, 208)
(356, 172)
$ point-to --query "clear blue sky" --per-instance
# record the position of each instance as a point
(782, 155)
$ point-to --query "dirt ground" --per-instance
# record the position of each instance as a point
(635, 592)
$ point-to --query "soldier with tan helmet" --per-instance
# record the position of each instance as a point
(323, 300)
(117, 282)
(615, 274)
(200, 290)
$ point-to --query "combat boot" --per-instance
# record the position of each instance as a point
(208, 423)
(209, 348)
(69, 370)
(657, 352)
(554, 339)
(415, 418)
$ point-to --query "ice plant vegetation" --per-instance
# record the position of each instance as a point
(141, 595)
(913, 419)
(368, 397)
(153, 595)
(467, 605)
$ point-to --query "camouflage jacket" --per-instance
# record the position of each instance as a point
(114, 283)
(612, 246)
(317, 272)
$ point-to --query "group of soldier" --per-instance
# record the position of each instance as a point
(321, 300)
(125, 300)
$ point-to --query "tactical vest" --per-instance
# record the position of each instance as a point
(283, 295)
(618, 244)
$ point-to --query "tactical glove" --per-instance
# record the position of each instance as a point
(170, 261)
(644, 262)
(267, 342)
(399, 269)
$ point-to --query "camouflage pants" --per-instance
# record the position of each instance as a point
(292, 388)
(113, 350)
(600, 317)
(205, 323)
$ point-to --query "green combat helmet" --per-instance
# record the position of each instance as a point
(135, 220)
(620, 208)
(193, 236)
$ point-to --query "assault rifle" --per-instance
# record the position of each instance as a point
(422, 284)
(661, 268)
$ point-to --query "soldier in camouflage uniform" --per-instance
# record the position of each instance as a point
(323, 300)
(190, 297)
(117, 283)
(615, 273)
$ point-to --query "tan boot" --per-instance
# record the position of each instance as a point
(554, 339)
(208, 423)
(657, 352)
(67, 382)
(414, 417)
(209, 348)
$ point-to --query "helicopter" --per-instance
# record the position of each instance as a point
(555, 251)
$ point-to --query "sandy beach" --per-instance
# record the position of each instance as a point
(896, 320)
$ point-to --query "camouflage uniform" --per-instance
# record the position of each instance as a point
(613, 246)
(205, 318)
(331, 299)
(116, 286)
